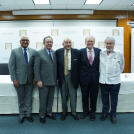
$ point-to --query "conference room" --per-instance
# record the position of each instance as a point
(75, 19)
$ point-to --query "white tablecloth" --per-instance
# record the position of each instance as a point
(9, 102)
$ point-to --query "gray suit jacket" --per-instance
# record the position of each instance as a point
(18, 68)
(46, 70)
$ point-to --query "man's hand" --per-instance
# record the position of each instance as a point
(34, 82)
(16, 84)
(57, 82)
(39, 83)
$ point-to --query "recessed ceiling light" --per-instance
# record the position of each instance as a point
(41, 2)
(93, 1)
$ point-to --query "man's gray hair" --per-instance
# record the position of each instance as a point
(47, 37)
(110, 38)
(24, 36)
(67, 38)
(89, 37)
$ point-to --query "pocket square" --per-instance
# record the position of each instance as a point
(75, 59)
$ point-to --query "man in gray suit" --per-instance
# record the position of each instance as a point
(21, 63)
(45, 76)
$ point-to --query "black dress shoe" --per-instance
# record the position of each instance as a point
(113, 120)
(30, 119)
(75, 117)
(63, 117)
(42, 120)
(92, 117)
(103, 117)
(21, 120)
(51, 117)
(84, 115)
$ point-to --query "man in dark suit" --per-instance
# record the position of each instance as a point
(46, 76)
(68, 76)
(21, 67)
(89, 76)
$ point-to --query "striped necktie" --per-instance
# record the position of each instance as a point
(90, 57)
(66, 63)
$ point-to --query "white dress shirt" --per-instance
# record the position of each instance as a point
(93, 54)
(27, 51)
(69, 58)
(111, 66)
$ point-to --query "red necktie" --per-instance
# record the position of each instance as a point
(90, 57)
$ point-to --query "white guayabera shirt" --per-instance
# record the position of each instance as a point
(111, 67)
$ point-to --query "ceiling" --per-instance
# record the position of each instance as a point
(10, 5)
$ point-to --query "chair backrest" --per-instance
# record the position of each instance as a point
(4, 69)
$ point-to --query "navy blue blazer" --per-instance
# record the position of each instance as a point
(74, 66)
(88, 72)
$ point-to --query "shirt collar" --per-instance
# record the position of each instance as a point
(68, 50)
(91, 49)
(48, 50)
(24, 48)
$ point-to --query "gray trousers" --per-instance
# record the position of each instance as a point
(46, 96)
(66, 90)
(24, 93)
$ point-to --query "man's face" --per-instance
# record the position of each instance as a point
(67, 44)
(48, 43)
(24, 42)
(109, 45)
(90, 43)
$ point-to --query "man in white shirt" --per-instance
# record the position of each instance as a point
(111, 66)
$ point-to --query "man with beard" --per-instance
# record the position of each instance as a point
(111, 66)
(89, 76)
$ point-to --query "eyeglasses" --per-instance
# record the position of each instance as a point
(25, 40)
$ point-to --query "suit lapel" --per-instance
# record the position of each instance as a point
(46, 54)
(72, 57)
(54, 58)
(30, 55)
(62, 56)
(22, 55)
(85, 57)
(95, 58)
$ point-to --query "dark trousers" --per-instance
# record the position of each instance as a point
(113, 90)
(90, 90)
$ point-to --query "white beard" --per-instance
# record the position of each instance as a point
(109, 49)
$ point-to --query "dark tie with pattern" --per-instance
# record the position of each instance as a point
(50, 55)
(25, 55)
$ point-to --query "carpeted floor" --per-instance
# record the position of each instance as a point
(125, 125)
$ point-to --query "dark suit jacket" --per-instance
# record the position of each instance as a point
(88, 72)
(74, 66)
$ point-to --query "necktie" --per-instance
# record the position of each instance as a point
(25, 55)
(90, 57)
(66, 63)
(50, 55)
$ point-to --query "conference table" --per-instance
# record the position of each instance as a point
(9, 101)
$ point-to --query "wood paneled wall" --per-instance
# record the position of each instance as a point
(121, 16)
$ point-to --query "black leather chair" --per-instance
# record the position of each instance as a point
(4, 69)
